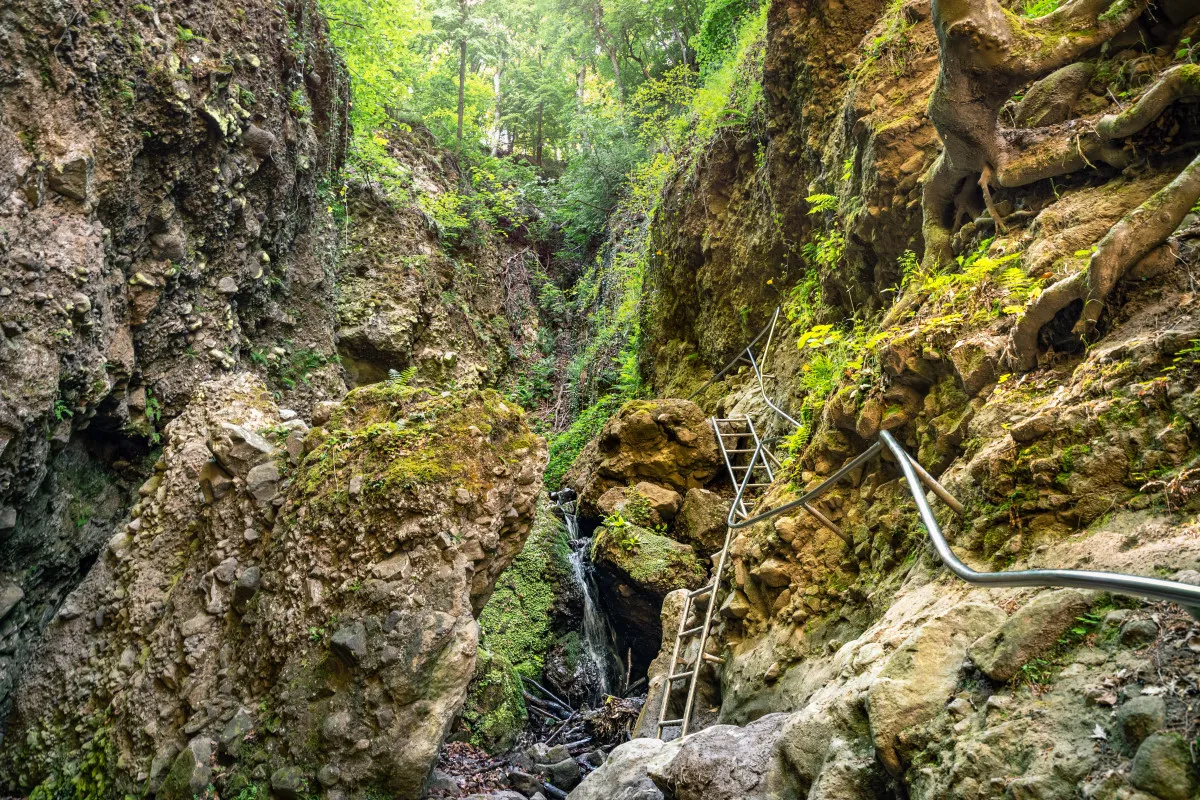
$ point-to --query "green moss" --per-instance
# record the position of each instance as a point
(655, 563)
(517, 622)
(494, 712)
(397, 438)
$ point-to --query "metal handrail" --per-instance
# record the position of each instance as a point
(1155, 588)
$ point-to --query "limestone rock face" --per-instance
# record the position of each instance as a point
(123, 226)
(326, 623)
(1028, 632)
(668, 443)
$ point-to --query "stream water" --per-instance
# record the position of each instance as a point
(596, 637)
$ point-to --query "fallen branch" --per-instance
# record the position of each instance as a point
(561, 728)
(548, 693)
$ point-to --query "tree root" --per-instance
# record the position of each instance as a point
(1174, 84)
(1128, 242)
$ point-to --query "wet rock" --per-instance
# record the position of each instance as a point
(564, 774)
(1027, 633)
(1162, 766)
(523, 782)
(1140, 717)
(259, 141)
(10, 595)
(190, 772)
(246, 587)
(234, 734)
(288, 783)
(350, 643)
(262, 482)
(72, 176)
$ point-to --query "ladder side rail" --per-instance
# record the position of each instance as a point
(760, 445)
(770, 327)
(666, 700)
(763, 390)
(729, 467)
(708, 615)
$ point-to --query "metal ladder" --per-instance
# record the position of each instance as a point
(747, 476)
(748, 461)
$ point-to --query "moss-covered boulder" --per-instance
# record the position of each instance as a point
(649, 561)
(494, 713)
(635, 569)
(332, 607)
(533, 599)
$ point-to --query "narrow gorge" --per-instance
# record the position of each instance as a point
(600, 399)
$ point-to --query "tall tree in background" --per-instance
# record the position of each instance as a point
(459, 22)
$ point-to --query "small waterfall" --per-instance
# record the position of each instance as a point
(596, 637)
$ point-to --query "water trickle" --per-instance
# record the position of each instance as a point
(596, 636)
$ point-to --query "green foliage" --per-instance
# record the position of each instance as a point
(62, 410)
(566, 446)
(1038, 8)
(718, 33)
(518, 620)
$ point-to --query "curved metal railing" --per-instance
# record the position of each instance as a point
(914, 474)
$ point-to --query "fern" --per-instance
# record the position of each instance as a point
(821, 203)
(402, 379)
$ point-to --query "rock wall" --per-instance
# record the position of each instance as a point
(287, 604)
(460, 311)
(160, 166)
(863, 669)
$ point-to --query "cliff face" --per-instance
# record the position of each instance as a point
(287, 604)
(861, 669)
(160, 224)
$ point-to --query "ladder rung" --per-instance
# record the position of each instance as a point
(670, 723)
(692, 631)
(678, 676)
(741, 450)
(703, 590)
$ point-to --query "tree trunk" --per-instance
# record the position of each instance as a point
(609, 50)
(497, 130)
(462, 84)
(537, 150)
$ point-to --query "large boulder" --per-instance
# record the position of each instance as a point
(668, 443)
(359, 629)
(702, 520)
(1027, 633)
(635, 569)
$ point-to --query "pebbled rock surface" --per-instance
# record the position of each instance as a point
(159, 224)
(298, 632)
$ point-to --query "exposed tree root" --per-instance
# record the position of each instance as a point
(1128, 242)
(987, 54)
